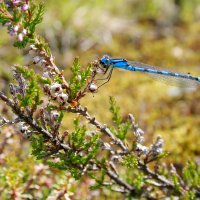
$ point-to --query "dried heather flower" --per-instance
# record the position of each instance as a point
(23, 128)
(140, 139)
(93, 87)
(56, 88)
(139, 132)
(36, 59)
(116, 158)
(106, 146)
(62, 98)
(45, 75)
(157, 146)
(79, 77)
(46, 88)
(55, 115)
(142, 148)
(32, 47)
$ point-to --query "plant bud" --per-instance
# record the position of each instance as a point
(93, 87)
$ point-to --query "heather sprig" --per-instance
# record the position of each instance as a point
(21, 18)
(122, 127)
(115, 157)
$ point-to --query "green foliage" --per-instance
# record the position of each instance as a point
(60, 118)
(36, 18)
(27, 73)
(38, 146)
(139, 181)
(191, 174)
(30, 74)
(122, 127)
(78, 136)
(130, 161)
(115, 111)
(14, 174)
(190, 195)
(84, 149)
(33, 90)
(99, 181)
(26, 19)
(43, 80)
(28, 180)
(78, 78)
(32, 96)
(41, 44)
(22, 44)
(175, 180)
(4, 14)
(157, 157)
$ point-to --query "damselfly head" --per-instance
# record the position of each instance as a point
(105, 61)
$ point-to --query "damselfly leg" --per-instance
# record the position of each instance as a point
(109, 70)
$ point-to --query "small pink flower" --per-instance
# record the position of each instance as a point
(7, 24)
(24, 31)
(16, 28)
(16, 2)
(25, 7)
(20, 37)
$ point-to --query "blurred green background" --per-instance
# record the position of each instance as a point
(157, 32)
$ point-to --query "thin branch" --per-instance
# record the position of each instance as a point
(120, 181)
(165, 182)
(5, 141)
(8, 122)
(143, 167)
(56, 140)
(103, 128)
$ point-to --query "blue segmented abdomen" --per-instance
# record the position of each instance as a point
(173, 78)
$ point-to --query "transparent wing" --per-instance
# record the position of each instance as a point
(185, 81)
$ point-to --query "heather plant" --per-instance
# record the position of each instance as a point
(113, 157)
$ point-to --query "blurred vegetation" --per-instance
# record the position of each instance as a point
(162, 33)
